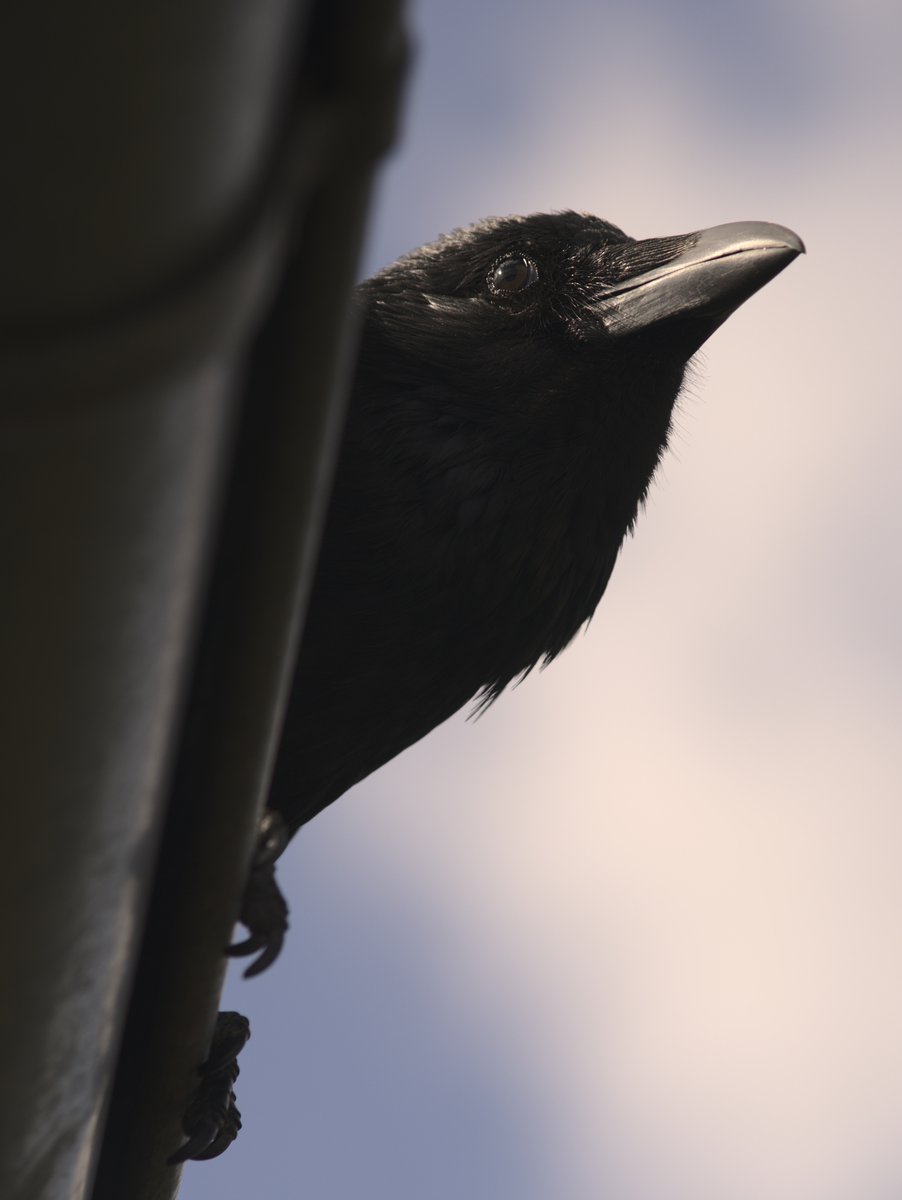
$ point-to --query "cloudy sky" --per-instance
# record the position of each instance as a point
(635, 933)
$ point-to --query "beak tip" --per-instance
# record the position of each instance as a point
(792, 240)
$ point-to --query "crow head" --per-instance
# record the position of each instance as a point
(520, 377)
(555, 325)
(571, 280)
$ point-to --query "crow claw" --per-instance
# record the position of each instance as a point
(212, 1120)
(274, 944)
(249, 946)
(263, 910)
(196, 1146)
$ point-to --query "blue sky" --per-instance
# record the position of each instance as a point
(634, 934)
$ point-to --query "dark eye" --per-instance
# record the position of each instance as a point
(513, 275)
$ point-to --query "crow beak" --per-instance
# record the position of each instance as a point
(699, 287)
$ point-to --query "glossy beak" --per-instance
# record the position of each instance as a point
(714, 271)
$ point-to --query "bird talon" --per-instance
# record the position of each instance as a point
(211, 1120)
(224, 1138)
(196, 1146)
(264, 912)
(250, 945)
(269, 955)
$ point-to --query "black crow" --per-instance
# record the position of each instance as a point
(513, 395)
(512, 398)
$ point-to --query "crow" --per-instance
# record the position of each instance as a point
(513, 395)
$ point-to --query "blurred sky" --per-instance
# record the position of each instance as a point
(634, 934)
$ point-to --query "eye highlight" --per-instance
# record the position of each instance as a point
(512, 275)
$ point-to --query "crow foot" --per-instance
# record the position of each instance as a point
(263, 910)
(211, 1121)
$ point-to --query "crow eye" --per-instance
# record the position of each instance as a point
(513, 275)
